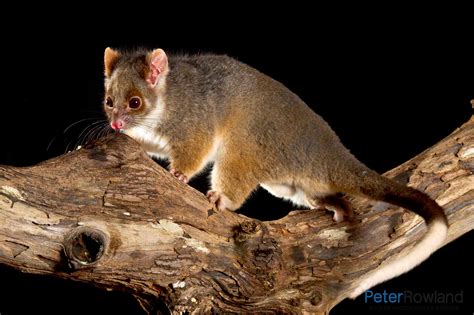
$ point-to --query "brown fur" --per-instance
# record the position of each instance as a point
(267, 133)
(210, 108)
(110, 59)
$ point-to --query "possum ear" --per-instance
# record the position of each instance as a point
(158, 63)
(110, 60)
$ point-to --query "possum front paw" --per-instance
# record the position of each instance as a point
(220, 200)
(179, 175)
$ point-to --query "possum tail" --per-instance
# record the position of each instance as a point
(375, 186)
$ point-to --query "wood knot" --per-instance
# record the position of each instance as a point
(316, 298)
(84, 247)
(266, 251)
(250, 227)
(243, 231)
(265, 258)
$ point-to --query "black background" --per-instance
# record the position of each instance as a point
(389, 86)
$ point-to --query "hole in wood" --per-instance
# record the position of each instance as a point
(85, 246)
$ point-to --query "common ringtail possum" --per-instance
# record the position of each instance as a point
(202, 109)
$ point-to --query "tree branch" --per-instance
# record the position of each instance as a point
(116, 219)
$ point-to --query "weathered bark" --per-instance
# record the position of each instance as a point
(114, 218)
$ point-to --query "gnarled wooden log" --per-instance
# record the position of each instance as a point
(114, 218)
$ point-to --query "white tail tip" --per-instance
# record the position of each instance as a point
(431, 241)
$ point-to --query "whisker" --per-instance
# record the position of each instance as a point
(138, 124)
(77, 122)
(97, 134)
(50, 143)
(89, 135)
(105, 131)
(67, 147)
(87, 128)
(152, 129)
(147, 120)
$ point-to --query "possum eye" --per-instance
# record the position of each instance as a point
(134, 103)
(108, 102)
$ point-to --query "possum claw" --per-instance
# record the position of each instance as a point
(220, 200)
(180, 176)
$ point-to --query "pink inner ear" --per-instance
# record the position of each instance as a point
(158, 64)
(154, 74)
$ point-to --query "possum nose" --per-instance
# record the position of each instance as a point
(117, 125)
